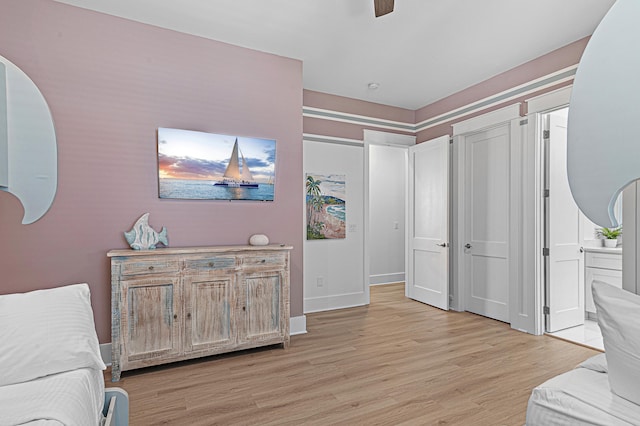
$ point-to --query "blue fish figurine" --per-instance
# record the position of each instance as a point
(144, 237)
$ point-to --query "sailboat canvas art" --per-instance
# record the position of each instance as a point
(208, 166)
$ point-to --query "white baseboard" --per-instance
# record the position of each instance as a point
(386, 278)
(328, 303)
(105, 352)
(297, 325)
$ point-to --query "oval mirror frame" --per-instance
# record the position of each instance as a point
(28, 150)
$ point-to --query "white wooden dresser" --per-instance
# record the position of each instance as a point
(173, 304)
(601, 264)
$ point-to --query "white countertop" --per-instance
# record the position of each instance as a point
(616, 250)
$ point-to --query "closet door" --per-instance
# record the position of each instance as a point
(486, 214)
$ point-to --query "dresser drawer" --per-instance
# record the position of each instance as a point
(132, 267)
(211, 263)
(264, 260)
(603, 260)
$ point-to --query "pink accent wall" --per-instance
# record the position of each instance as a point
(110, 83)
(556, 60)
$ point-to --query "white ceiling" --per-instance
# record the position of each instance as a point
(425, 50)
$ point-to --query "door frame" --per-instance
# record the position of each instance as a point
(509, 115)
(375, 137)
(537, 107)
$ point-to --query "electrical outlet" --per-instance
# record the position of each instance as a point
(320, 281)
(396, 225)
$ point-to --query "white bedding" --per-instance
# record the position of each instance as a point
(580, 397)
(71, 398)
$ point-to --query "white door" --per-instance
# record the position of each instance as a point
(486, 216)
(428, 223)
(565, 263)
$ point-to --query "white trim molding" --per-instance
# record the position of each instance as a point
(309, 137)
(374, 137)
(298, 325)
(339, 301)
(105, 353)
(383, 279)
(484, 121)
(549, 100)
(344, 117)
(533, 86)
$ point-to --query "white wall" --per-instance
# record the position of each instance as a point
(387, 181)
(339, 263)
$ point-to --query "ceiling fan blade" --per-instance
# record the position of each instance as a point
(383, 7)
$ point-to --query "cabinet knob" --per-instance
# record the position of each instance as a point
(210, 264)
(263, 260)
(244, 308)
(175, 316)
(189, 315)
(151, 268)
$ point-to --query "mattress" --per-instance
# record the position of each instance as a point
(580, 396)
(71, 398)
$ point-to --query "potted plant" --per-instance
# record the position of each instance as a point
(610, 235)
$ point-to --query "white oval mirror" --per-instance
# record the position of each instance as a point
(28, 152)
(602, 145)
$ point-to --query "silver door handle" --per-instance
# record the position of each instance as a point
(467, 246)
(443, 245)
(581, 249)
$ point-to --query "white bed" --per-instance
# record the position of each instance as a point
(581, 396)
(605, 389)
(73, 397)
(52, 371)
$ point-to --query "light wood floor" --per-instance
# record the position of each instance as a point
(396, 362)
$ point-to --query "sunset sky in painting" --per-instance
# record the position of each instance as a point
(186, 154)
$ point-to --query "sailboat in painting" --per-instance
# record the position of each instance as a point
(234, 177)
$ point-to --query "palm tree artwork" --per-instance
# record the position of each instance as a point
(325, 205)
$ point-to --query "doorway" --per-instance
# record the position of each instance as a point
(385, 188)
(569, 239)
(416, 178)
(387, 194)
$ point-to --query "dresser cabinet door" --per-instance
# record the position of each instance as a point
(210, 302)
(262, 306)
(150, 319)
